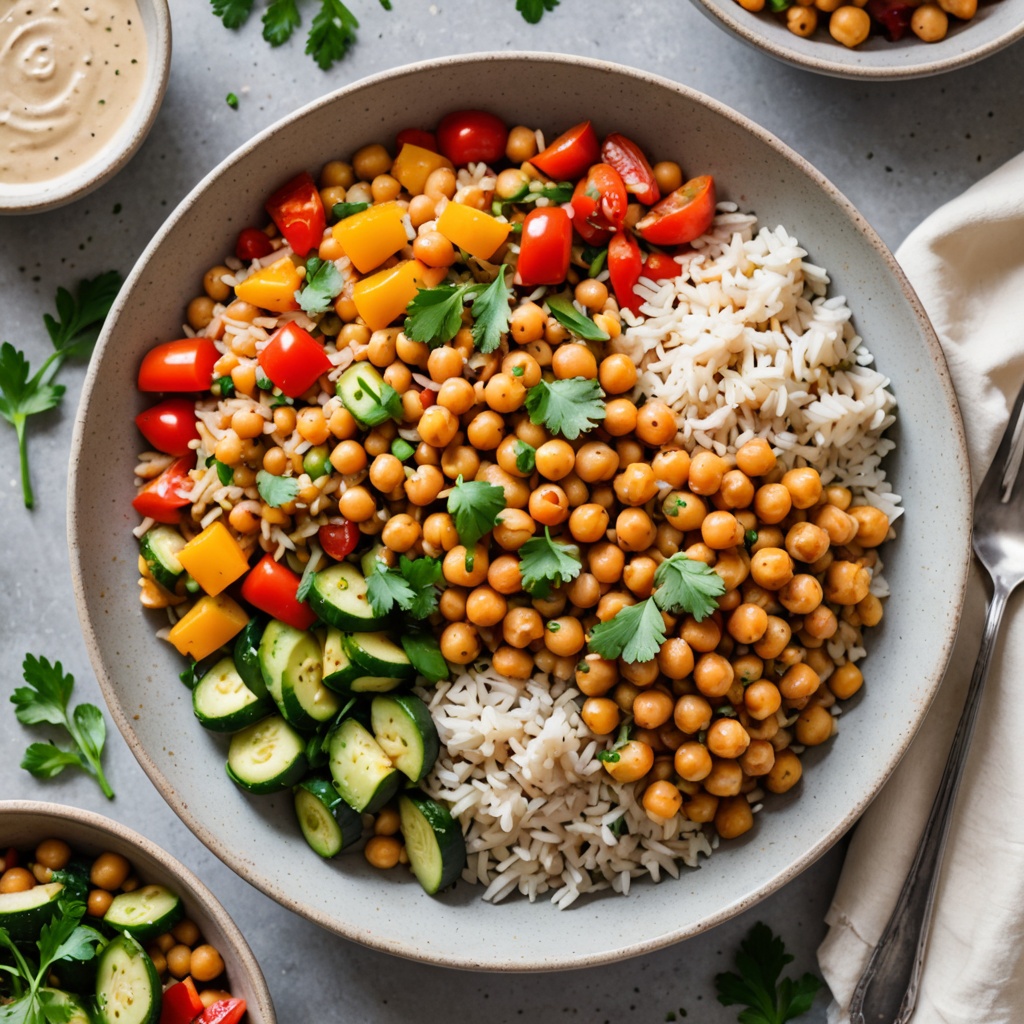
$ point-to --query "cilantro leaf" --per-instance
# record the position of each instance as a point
(474, 505)
(636, 633)
(276, 490)
(422, 575)
(46, 760)
(533, 10)
(760, 961)
(569, 407)
(331, 34)
(324, 282)
(491, 313)
(424, 653)
(232, 12)
(343, 210)
(573, 320)
(526, 456)
(435, 314)
(280, 20)
(687, 585)
(543, 561)
(385, 588)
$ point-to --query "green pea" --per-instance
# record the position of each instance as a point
(316, 461)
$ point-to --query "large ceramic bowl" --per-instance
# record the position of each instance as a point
(25, 823)
(997, 24)
(257, 837)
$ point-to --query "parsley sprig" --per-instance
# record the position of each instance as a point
(435, 314)
(73, 333)
(412, 586)
(760, 961)
(573, 320)
(276, 490)
(474, 505)
(568, 407)
(324, 282)
(533, 10)
(45, 701)
(544, 562)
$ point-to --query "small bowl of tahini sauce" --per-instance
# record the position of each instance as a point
(81, 82)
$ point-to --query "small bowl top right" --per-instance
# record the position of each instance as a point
(997, 24)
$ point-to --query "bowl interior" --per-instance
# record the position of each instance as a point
(25, 823)
(997, 24)
(257, 837)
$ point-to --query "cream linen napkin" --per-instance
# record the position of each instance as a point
(966, 262)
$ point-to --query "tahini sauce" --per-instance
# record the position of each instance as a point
(71, 72)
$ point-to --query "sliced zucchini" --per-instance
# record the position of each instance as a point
(406, 733)
(360, 388)
(433, 840)
(127, 986)
(362, 772)
(292, 663)
(378, 655)
(267, 757)
(338, 596)
(328, 824)
(160, 547)
(24, 913)
(283, 646)
(247, 655)
(223, 703)
(338, 666)
(145, 912)
(68, 1008)
(367, 560)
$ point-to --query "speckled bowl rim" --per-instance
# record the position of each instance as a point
(472, 960)
(126, 141)
(198, 892)
(718, 11)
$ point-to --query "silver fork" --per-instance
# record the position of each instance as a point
(888, 988)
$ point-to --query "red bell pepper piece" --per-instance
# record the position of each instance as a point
(162, 499)
(545, 247)
(169, 425)
(625, 264)
(293, 359)
(224, 1011)
(180, 1003)
(182, 365)
(629, 160)
(338, 540)
(298, 212)
(682, 215)
(570, 154)
(252, 244)
(271, 587)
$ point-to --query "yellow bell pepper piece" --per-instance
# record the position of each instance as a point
(208, 625)
(371, 236)
(382, 297)
(214, 559)
(477, 232)
(273, 287)
(413, 166)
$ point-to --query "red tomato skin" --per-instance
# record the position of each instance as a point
(599, 204)
(182, 365)
(660, 267)
(625, 264)
(545, 247)
(338, 540)
(160, 498)
(681, 216)
(293, 359)
(416, 137)
(169, 425)
(629, 160)
(224, 1011)
(471, 136)
(180, 1003)
(570, 154)
(252, 244)
(584, 207)
(298, 212)
(271, 587)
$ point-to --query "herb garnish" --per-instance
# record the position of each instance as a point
(474, 505)
(412, 586)
(343, 210)
(533, 10)
(45, 700)
(526, 456)
(324, 282)
(543, 562)
(634, 634)
(276, 490)
(435, 314)
(424, 653)
(573, 320)
(569, 407)
(687, 585)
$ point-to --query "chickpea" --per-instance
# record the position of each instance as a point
(179, 960)
(526, 323)
(555, 459)
(846, 680)
(672, 466)
(357, 504)
(460, 643)
(485, 606)
(549, 505)
(521, 145)
(755, 457)
(638, 575)
(606, 562)
(634, 530)
(514, 664)
(785, 773)
(806, 542)
(706, 472)
(617, 373)
(800, 680)
(656, 423)
(438, 426)
(692, 762)
(736, 491)
(455, 394)
(486, 430)
(702, 636)
(727, 738)
(725, 777)
(573, 360)
(758, 758)
(206, 963)
(588, 523)
(775, 638)
(804, 486)
(846, 583)
(652, 709)
(463, 569)
(439, 531)
(801, 595)
(452, 603)
(640, 673)
(97, 903)
(612, 603)
(596, 461)
(513, 529)
(522, 626)
(684, 511)
(53, 854)
(675, 659)
(771, 568)
(424, 485)
(601, 715)
(701, 807)
(964, 9)
(636, 759)
(662, 800)
(713, 674)
(692, 713)
(400, 533)
(772, 503)
(109, 871)
(747, 623)
(814, 726)
(383, 852)
(734, 816)
(584, 591)
(564, 637)
(349, 457)
(929, 23)
(801, 21)
(721, 530)
(762, 699)
(17, 880)
(595, 676)
(335, 174)
(504, 393)
(872, 523)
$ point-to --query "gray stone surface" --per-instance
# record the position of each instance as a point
(897, 151)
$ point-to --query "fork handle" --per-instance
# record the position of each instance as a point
(887, 990)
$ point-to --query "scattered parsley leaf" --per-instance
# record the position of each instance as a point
(280, 20)
(634, 634)
(74, 334)
(543, 562)
(385, 588)
(223, 387)
(324, 282)
(526, 456)
(343, 210)
(435, 314)
(491, 313)
(568, 407)
(263, 382)
(45, 701)
(687, 585)
(231, 100)
(276, 490)
(232, 12)
(331, 34)
(422, 575)
(760, 961)
(573, 320)
(533, 10)
(424, 653)
(474, 505)
(225, 474)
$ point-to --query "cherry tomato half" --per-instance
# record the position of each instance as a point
(271, 587)
(659, 266)
(415, 137)
(252, 244)
(293, 359)
(469, 136)
(338, 540)
(224, 1011)
(298, 212)
(625, 264)
(570, 154)
(545, 247)
(162, 498)
(182, 365)
(169, 426)
(629, 160)
(681, 216)
(180, 1003)
(599, 204)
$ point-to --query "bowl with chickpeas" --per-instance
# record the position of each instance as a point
(151, 924)
(480, 587)
(874, 39)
